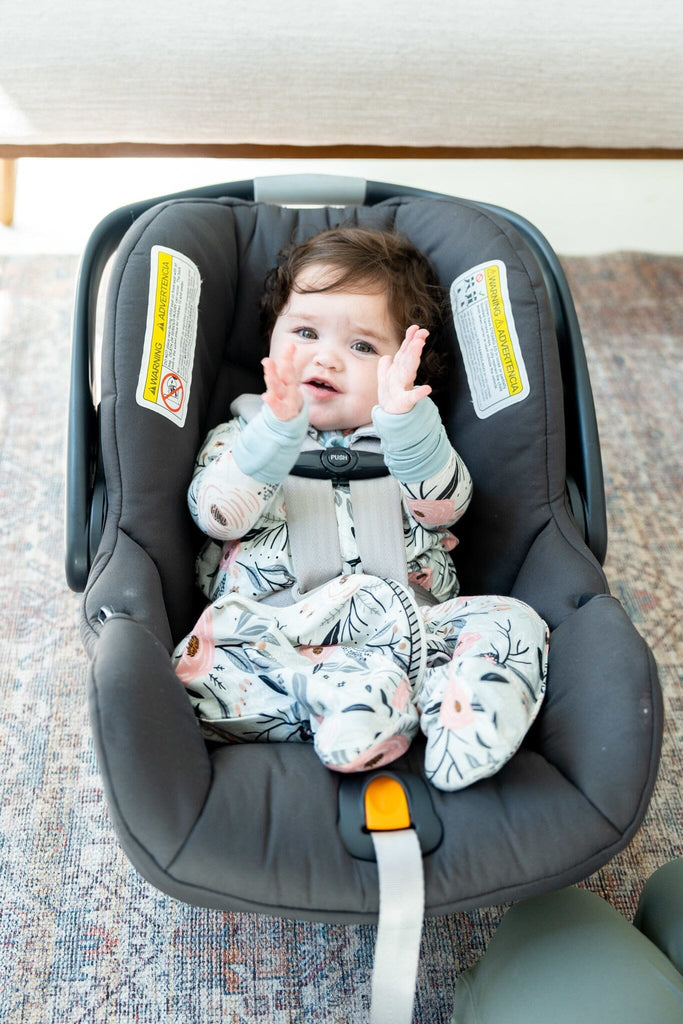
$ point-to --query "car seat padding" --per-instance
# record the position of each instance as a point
(253, 827)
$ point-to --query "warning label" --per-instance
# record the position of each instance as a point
(170, 336)
(488, 338)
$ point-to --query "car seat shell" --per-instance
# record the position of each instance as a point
(254, 827)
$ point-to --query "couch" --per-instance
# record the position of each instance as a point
(399, 78)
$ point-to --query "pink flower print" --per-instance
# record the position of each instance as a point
(422, 577)
(342, 587)
(382, 753)
(317, 654)
(229, 556)
(224, 516)
(200, 651)
(431, 513)
(402, 695)
(240, 703)
(456, 711)
(465, 642)
(449, 541)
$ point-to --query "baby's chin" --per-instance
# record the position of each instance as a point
(325, 419)
(320, 427)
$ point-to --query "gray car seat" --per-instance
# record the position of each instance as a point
(256, 827)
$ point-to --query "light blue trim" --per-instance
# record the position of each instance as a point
(415, 444)
(268, 447)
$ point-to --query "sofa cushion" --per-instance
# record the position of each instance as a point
(525, 73)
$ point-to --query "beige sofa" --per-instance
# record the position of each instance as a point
(429, 78)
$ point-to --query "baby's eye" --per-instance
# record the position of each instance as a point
(306, 333)
(363, 346)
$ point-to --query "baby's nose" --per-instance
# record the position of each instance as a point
(328, 356)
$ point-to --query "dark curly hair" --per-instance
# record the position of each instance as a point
(371, 259)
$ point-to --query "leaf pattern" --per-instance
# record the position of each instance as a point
(254, 512)
(357, 668)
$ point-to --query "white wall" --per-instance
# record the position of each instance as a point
(582, 206)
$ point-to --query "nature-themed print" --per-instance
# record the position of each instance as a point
(358, 668)
(355, 666)
(246, 519)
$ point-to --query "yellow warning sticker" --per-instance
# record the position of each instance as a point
(488, 339)
(171, 334)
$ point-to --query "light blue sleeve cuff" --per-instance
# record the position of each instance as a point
(268, 447)
(415, 444)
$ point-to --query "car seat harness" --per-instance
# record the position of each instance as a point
(312, 522)
(389, 817)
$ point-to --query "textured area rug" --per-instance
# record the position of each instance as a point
(82, 937)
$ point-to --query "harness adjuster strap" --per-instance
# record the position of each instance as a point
(401, 900)
(388, 816)
(399, 929)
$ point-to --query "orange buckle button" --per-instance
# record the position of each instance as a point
(386, 805)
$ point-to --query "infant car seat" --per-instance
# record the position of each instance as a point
(256, 827)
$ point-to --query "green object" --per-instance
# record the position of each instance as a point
(569, 956)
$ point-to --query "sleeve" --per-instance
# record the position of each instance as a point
(435, 481)
(239, 469)
(267, 447)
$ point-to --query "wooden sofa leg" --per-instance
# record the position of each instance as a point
(8, 190)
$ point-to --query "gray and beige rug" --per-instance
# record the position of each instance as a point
(82, 937)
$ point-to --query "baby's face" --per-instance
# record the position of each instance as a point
(339, 337)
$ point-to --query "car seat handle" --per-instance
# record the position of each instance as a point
(310, 190)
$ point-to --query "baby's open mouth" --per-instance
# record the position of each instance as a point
(321, 385)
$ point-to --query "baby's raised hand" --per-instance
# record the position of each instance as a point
(396, 391)
(282, 395)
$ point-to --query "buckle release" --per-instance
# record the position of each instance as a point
(339, 465)
(388, 817)
(386, 805)
(386, 801)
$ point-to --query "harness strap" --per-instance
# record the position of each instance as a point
(394, 810)
(314, 534)
(312, 520)
(401, 915)
(379, 527)
(312, 530)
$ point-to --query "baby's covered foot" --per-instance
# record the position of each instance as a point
(475, 715)
(374, 728)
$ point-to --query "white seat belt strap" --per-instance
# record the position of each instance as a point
(378, 521)
(401, 914)
(312, 521)
(312, 531)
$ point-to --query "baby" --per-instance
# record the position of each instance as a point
(360, 663)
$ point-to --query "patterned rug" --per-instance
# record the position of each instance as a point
(82, 937)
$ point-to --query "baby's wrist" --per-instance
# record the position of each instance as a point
(282, 411)
(292, 425)
(415, 444)
(399, 407)
(267, 447)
